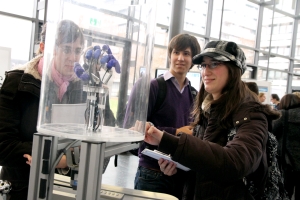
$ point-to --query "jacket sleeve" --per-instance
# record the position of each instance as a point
(13, 144)
(238, 158)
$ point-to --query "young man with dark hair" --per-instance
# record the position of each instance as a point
(173, 115)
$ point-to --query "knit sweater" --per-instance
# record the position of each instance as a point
(173, 113)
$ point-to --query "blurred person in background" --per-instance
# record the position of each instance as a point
(287, 131)
(262, 97)
(275, 101)
(253, 87)
(297, 94)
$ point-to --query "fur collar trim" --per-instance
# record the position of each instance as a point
(206, 104)
(31, 67)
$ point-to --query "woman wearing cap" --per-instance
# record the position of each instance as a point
(224, 105)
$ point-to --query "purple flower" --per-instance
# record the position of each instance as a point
(96, 47)
(97, 53)
(85, 77)
(89, 54)
(114, 63)
(106, 48)
(104, 59)
(78, 69)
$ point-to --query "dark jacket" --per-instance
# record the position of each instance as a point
(290, 133)
(19, 104)
(218, 165)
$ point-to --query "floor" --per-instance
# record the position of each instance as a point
(123, 175)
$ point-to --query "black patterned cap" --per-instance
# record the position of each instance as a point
(223, 51)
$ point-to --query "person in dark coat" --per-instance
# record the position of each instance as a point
(19, 104)
(287, 131)
(224, 105)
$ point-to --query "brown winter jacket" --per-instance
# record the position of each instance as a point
(218, 165)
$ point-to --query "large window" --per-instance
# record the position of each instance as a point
(264, 29)
(18, 7)
(16, 36)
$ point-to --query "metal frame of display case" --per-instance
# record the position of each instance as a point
(92, 155)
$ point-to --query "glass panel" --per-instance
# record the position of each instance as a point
(249, 55)
(263, 59)
(278, 85)
(266, 30)
(279, 63)
(286, 5)
(163, 12)
(18, 7)
(238, 25)
(41, 14)
(161, 36)
(277, 75)
(261, 74)
(296, 67)
(297, 51)
(247, 74)
(201, 42)
(195, 21)
(282, 34)
(216, 18)
(296, 81)
(109, 48)
(92, 19)
(13, 37)
(160, 54)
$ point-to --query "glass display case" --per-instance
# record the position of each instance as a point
(93, 55)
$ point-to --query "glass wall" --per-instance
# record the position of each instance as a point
(266, 31)
(17, 37)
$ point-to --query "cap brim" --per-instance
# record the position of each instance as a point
(197, 59)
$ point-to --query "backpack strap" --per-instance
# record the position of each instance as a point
(162, 90)
(193, 91)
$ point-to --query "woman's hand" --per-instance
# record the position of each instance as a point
(152, 135)
(29, 158)
(167, 167)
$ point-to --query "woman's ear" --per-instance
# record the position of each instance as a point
(42, 47)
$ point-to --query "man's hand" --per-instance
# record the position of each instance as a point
(29, 158)
(62, 163)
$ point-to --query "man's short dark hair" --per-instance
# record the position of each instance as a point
(181, 42)
(253, 87)
(275, 96)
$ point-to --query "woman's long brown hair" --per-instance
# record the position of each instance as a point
(232, 95)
